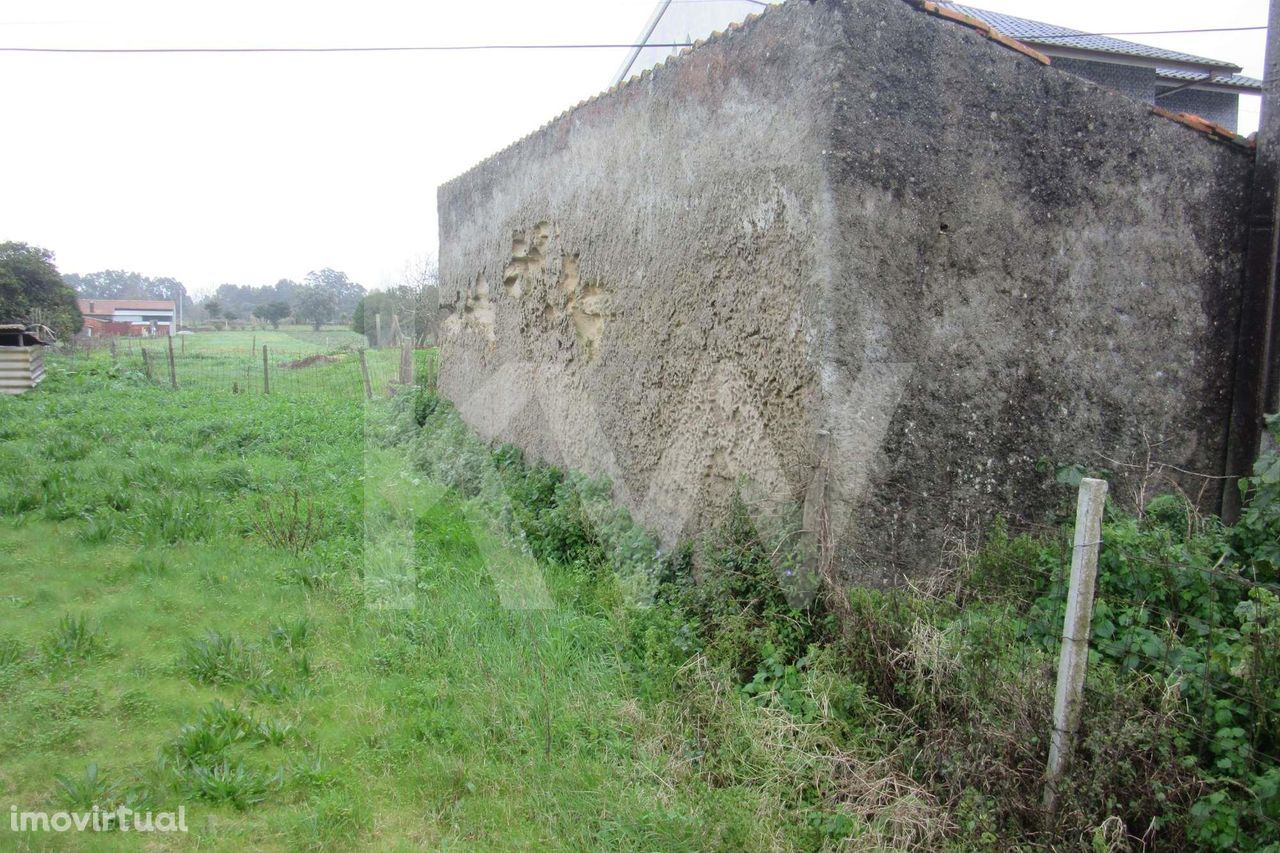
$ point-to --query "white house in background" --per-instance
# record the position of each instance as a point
(678, 23)
(1176, 81)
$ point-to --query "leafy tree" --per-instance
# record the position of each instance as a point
(357, 320)
(315, 304)
(421, 277)
(284, 290)
(415, 301)
(395, 302)
(32, 290)
(272, 312)
(344, 292)
(213, 308)
(244, 300)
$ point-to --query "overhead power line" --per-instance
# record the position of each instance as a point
(480, 47)
(353, 49)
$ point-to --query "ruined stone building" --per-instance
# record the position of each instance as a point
(888, 265)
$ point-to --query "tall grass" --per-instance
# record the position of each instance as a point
(673, 700)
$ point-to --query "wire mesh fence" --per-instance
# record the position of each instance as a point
(1181, 604)
(287, 364)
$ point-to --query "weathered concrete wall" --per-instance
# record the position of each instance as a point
(1060, 267)
(848, 238)
(632, 288)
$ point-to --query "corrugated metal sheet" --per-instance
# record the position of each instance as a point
(21, 368)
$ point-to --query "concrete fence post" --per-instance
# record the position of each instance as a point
(173, 369)
(1073, 660)
(266, 373)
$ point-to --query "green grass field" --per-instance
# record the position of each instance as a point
(300, 361)
(316, 621)
(162, 645)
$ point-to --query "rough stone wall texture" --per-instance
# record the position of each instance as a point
(1220, 107)
(634, 279)
(1061, 267)
(852, 255)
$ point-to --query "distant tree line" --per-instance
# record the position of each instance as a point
(324, 296)
(33, 291)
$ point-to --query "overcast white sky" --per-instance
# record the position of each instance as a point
(249, 168)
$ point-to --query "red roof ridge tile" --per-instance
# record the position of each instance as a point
(1203, 125)
(929, 7)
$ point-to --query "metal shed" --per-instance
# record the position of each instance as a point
(21, 359)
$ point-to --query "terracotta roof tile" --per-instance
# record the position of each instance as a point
(954, 14)
(1203, 125)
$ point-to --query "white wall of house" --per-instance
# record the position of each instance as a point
(141, 316)
(673, 21)
(145, 317)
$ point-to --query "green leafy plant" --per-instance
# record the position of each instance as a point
(229, 783)
(82, 793)
(219, 658)
(75, 638)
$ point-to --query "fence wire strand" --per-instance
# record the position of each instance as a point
(324, 368)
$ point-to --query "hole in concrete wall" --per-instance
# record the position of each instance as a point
(568, 275)
(511, 280)
(528, 251)
(944, 228)
(539, 237)
(589, 311)
(478, 309)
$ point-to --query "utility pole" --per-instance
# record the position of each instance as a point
(1257, 380)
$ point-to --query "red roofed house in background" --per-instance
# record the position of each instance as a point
(128, 317)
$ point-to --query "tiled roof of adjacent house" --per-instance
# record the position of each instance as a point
(1235, 81)
(1052, 35)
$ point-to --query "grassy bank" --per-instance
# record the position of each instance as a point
(158, 650)
(306, 620)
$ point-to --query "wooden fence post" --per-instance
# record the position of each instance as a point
(1074, 658)
(253, 346)
(173, 370)
(146, 363)
(266, 373)
(406, 363)
(183, 341)
(364, 371)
